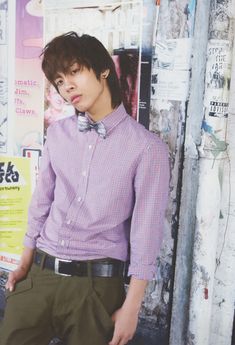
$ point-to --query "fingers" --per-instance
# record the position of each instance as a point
(119, 339)
(10, 285)
(14, 277)
(115, 340)
(124, 327)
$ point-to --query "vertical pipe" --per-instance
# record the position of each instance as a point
(224, 290)
(179, 320)
(213, 156)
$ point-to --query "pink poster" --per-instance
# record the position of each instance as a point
(117, 25)
(28, 119)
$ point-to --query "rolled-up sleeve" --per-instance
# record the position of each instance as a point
(151, 186)
(42, 199)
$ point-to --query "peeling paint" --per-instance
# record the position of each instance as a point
(190, 339)
(205, 276)
(221, 302)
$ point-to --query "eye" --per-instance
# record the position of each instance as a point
(58, 82)
(75, 70)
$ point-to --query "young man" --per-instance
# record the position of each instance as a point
(100, 199)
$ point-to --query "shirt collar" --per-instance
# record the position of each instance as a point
(114, 118)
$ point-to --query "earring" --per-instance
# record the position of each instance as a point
(104, 75)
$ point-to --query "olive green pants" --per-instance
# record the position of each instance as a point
(75, 309)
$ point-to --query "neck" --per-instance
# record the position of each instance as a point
(102, 107)
(99, 115)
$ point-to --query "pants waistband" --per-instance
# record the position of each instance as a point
(106, 267)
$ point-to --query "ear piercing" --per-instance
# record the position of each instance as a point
(105, 75)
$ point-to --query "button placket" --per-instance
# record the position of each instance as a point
(92, 141)
(83, 181)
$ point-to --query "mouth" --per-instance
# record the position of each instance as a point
(75, 99)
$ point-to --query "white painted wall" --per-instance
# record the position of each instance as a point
(209, 274)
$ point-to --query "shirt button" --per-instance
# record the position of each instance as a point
(68, 221)
(62, 242)
(90, 147)
(79, 199)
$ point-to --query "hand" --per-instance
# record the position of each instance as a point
(125, 324)
(14, 277)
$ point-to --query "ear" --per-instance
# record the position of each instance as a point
(105, 73)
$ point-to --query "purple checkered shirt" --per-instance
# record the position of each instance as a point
(95, 196)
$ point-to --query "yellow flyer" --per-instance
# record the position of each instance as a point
(15, 194)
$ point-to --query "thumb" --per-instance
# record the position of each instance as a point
(115, 339)
(10, 284)
(11, 287)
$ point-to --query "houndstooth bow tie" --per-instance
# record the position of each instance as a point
(85, 125)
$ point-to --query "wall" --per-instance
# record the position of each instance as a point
(207, 300)
(201, 205)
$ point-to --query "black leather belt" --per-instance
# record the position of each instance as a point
(97, 268)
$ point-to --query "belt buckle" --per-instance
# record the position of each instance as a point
(57, 264)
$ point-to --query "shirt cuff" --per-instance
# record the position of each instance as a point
(29, 242)
(143, 272)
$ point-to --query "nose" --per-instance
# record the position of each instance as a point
(69, 85)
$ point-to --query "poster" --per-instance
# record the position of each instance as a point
(218, 75)
(28, 119)
(220, 28)
(3, 75)
(126, 30)
(177, 19)
(171, 69)
(117, 25)
(167, 120)
(15, 194)
(170, 85)
(149, 25)
(216, 101)
(55, 107)
(172, 51)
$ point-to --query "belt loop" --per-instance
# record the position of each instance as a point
(89, 274)
(43, 261)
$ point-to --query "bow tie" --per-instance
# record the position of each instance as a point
(85, 125)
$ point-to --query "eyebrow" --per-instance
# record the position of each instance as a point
(58, 75)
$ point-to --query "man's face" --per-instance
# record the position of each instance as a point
(80, 87)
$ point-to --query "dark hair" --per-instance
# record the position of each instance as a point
(60, 53)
